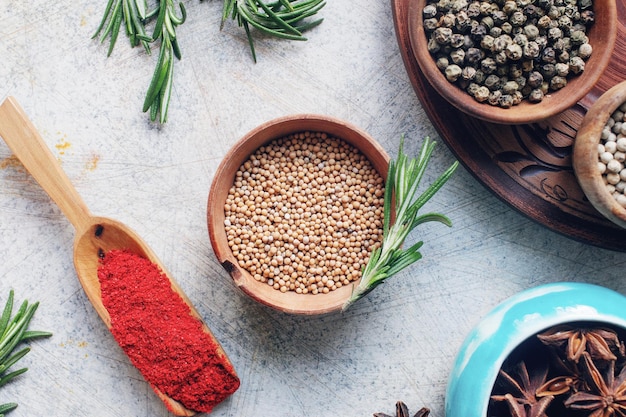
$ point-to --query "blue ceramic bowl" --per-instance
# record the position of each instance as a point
(511, 323)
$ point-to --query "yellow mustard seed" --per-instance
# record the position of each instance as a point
(304, 213)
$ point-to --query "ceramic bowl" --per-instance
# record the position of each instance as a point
(602, 37)
(585, 157)
(289, 302)
(512, 322)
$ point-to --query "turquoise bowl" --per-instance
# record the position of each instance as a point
(511, 323)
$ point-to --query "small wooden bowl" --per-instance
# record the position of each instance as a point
(601, 35)
(289, 302)
(585, 157)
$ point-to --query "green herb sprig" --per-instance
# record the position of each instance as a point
(135, 17)
(133, 14)
(401, 186)
(13, 331)
(281, 18)
(159, 92)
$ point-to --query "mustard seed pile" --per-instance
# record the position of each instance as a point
(305, 213)
(612, 154)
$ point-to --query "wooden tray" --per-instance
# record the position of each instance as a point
(528, 166)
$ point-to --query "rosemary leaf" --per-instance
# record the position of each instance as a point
(5, 408)
(13, 331)
(401, 188)
(8, 377)
(283, 19)
(160, 89)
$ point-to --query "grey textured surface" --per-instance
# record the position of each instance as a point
(397, 344)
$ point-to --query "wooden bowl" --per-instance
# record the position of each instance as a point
(585, 156)
(601, 35)
(289, 302)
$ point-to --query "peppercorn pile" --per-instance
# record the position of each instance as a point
(304, 213)
(504, 51)
(612, 154)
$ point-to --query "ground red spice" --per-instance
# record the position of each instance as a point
(155, 328)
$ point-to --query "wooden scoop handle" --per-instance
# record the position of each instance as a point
(28, 146)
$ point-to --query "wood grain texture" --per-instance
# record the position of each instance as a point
(528, 166)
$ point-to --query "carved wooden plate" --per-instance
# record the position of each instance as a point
(528, 166)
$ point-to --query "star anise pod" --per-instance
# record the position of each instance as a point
(403, 411)
(568, 377)
(523, 400)
(601, 343)
(607, 397)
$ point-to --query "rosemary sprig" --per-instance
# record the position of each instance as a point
(159, 92)
(135, 17)
(133, 14)
(280, 18)
(13, 331)
(403, 180)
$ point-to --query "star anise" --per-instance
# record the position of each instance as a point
(523, 400)
(403, 411)
(607, 397)
(601, 343)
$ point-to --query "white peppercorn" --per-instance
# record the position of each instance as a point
(610, 147)
(614, 166)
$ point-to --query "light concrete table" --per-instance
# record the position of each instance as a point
(397, 344)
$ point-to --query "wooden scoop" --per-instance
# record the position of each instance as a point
(94, 235)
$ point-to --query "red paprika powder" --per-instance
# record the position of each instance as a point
(155, 328)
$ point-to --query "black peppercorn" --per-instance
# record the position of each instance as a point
(494, 97)
(488, 65)
(505, 101)
(548, 71)
(473, 56)
(535, 79)
(502, 51)
(548, 55)
(431, 24)
(442, 35)
(477, 32)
